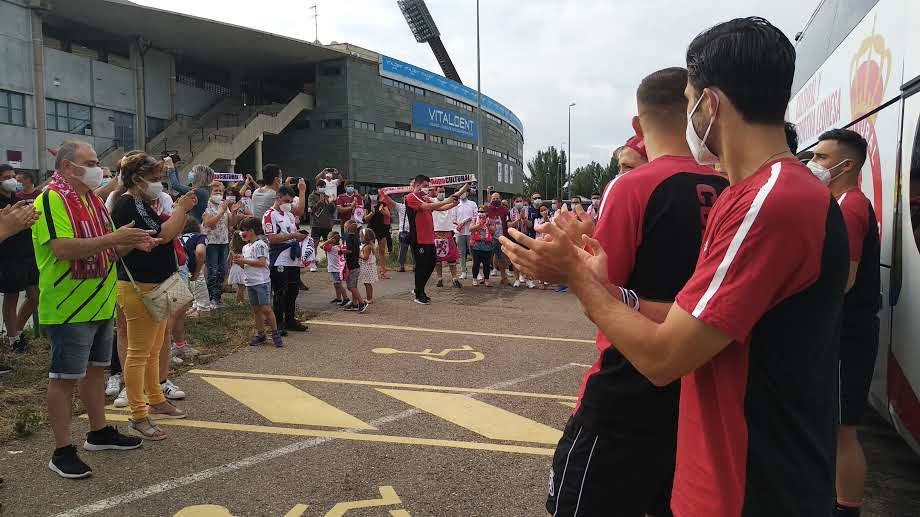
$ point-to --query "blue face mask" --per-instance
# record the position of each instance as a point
(350, 190)
(192, 177)
(519, 205)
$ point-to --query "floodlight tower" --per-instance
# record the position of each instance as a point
(425, 31)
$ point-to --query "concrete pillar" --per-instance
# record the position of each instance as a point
(258, 152)
(140, 100)
(38, 90)
(172, 87)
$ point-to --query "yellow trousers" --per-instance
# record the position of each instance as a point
(145, 337)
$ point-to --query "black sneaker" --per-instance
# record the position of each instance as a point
(336, 301)
(282, 332)
(353, 308)
(67, 464)
(423, 301)
(457, 284)
(295, 326)
(5, 368)
(363, 307)
(344, 303)
(108, 438)
(20, 344)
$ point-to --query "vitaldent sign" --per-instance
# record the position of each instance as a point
(429, 118)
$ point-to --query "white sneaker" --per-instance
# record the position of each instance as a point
(122, 399)
(480, 277)
(175, 360)
(184, 353)
(171, 391)
(517, 283)
(530, 284)
(462, 276)
(494, 272)
(313, 269)
(113, 385)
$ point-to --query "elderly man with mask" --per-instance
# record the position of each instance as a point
(76, 249)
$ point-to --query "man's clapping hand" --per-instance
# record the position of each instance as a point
(16, 218)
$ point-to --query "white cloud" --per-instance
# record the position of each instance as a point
(537, 56)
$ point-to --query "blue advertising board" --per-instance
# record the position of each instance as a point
(411, 74)
(435, 119)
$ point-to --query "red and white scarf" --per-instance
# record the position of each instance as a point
(87, 223)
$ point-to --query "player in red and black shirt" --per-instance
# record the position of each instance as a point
(651, 226)
(421, 230)
(753, 333)
(838, 158)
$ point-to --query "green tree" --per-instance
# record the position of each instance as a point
(592, 178)
(544, 172)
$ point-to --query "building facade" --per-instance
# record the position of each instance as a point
(234, 98)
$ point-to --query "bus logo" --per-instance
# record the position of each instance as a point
(869, 74)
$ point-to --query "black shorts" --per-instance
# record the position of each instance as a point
(858, 351)
(598, 476)
(16, 274)
(319, 234)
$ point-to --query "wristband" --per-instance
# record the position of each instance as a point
(630, 298)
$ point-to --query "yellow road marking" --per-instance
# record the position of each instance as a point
(569, 404)
(477, 416)
(399, 513)
(445, 331)
(342, 435)
(204, 510)
(388, 497)
(284, 404)
(382, 384)
(296, 511)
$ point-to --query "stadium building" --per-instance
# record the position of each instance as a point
(123, 76)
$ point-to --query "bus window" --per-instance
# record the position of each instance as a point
(915, 188)
(849, 14)
(812, 48)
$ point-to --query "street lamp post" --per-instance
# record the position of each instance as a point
(561, 172)
(568, 176)
(478, 113)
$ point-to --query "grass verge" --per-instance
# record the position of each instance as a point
(22, 392)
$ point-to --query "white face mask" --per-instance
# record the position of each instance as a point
(555, 206)
(426, 190)
(701, 153)
(231, 199)
(9, 185)
(823, 173)
(285, 208)
(216, 198)
(92, 177)
(441, 196)
(153, 190)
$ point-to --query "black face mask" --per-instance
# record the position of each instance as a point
(496, 204)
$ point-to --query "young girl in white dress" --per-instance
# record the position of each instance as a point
(368, 262)
(235, 276)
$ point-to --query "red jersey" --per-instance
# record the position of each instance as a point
(757, 427)
(347, 200)
(421, 224)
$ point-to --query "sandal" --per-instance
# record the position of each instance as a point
(147, 430)
(168, 411)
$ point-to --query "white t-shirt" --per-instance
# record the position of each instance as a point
(401, 216)
(466, 210)
(332, 258)
(445, 220)
(275, 222)
(166, 204)
(220, 232)
(254, 275)
(332, 187)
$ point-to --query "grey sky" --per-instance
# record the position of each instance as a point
(537, 55)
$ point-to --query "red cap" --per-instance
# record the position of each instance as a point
(637, 144)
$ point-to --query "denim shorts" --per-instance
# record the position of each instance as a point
(74, 346)
(260, 294)
(184, 273)
(336, 277)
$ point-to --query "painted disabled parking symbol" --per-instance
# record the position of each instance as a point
(466, 353)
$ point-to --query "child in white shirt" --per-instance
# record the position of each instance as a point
(256, 277)
(333, 246)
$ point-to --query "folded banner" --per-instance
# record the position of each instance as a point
(439, 181)
(228, 177)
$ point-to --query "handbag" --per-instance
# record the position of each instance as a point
(162, 302)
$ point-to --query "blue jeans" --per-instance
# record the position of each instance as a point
(217, 269)
(74, 346)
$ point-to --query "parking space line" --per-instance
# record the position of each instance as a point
(344, 435)
(477, 416)
(384, 384)
(262, 457)
(446, 331)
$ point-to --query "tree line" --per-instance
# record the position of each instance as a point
(546, 172)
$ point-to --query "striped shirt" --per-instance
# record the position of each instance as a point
(63, 299)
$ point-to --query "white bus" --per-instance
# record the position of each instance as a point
(858, 67)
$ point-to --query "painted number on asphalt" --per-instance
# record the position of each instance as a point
(388, 497)
(466, 354)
